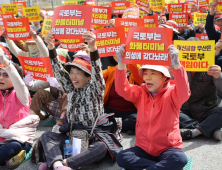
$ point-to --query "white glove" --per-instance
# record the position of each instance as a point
(120, 53)
(29, 80)
(55, 129)
(2, 56)
(174, 53)
(53, 82)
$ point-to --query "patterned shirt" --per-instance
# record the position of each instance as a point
(88, 99)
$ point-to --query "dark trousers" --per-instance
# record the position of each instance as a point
(7, 151)
(136, 158)
(53, 147)
(128, 118)
(206, 127)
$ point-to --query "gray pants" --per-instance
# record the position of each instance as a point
(53, 147)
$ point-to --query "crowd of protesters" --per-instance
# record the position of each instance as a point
(85, 89)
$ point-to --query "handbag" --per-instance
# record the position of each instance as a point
(82, 134)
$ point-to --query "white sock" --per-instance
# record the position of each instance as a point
(57, 164)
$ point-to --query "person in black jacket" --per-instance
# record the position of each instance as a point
(212, 33)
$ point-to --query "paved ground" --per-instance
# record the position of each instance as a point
(207, 154)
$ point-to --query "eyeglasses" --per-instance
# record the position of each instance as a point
(4, 75)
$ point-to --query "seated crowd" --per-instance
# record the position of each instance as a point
(88, 92)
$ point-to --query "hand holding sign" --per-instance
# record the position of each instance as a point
(33, 33)
(218, 47)
(214, 71)
(90, 38)
(4, 34)
(174, 53)
(120, 53)
(189, 27)
(29, 80)
(53, 82)
(84, 47)
(201, 27)
(49, 39)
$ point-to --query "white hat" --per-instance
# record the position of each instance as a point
(159, 68)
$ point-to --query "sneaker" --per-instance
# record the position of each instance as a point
(43, 166)
(186, 134)
(217, 135)
(62, 168)
(15, 161)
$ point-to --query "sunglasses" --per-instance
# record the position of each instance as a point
(4, 75)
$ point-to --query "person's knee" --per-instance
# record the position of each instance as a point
(125, 158)
(180, 159)
(46, 135)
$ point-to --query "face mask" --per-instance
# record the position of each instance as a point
(33, 50)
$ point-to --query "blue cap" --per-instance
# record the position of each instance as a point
(66, 141)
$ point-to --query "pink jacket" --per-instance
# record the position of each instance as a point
(157, 126)
(15, 105)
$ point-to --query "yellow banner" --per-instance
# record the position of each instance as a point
(132, 2)
(46, 27)
(157, 5)
(171, 1)
(32, 13)
(196, 55)
(199, 18)
(9, 8)
(81, 2)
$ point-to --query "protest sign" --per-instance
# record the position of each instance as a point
(17, 29)
(48, 16)
(32, 13)
(148, 46)
(131, 12)
(176, 7)
(199, 18)
(101, 16)
(20, 6)
(72, 44)
(91, 3)
(219, 7)
(191, 14)
(157, 5)
(203, 3)
(118, 7)
(9, 9)
(181, 19)
(141, 14)
(196, 55)
(46, 27)
(143, 3)
(71, 21)
(189, 4)
(128, 23)
(76, 2)
(109, 40)
(151, 21)
(8, 16)
(203, 37)
(39, 67)
(1, 24)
